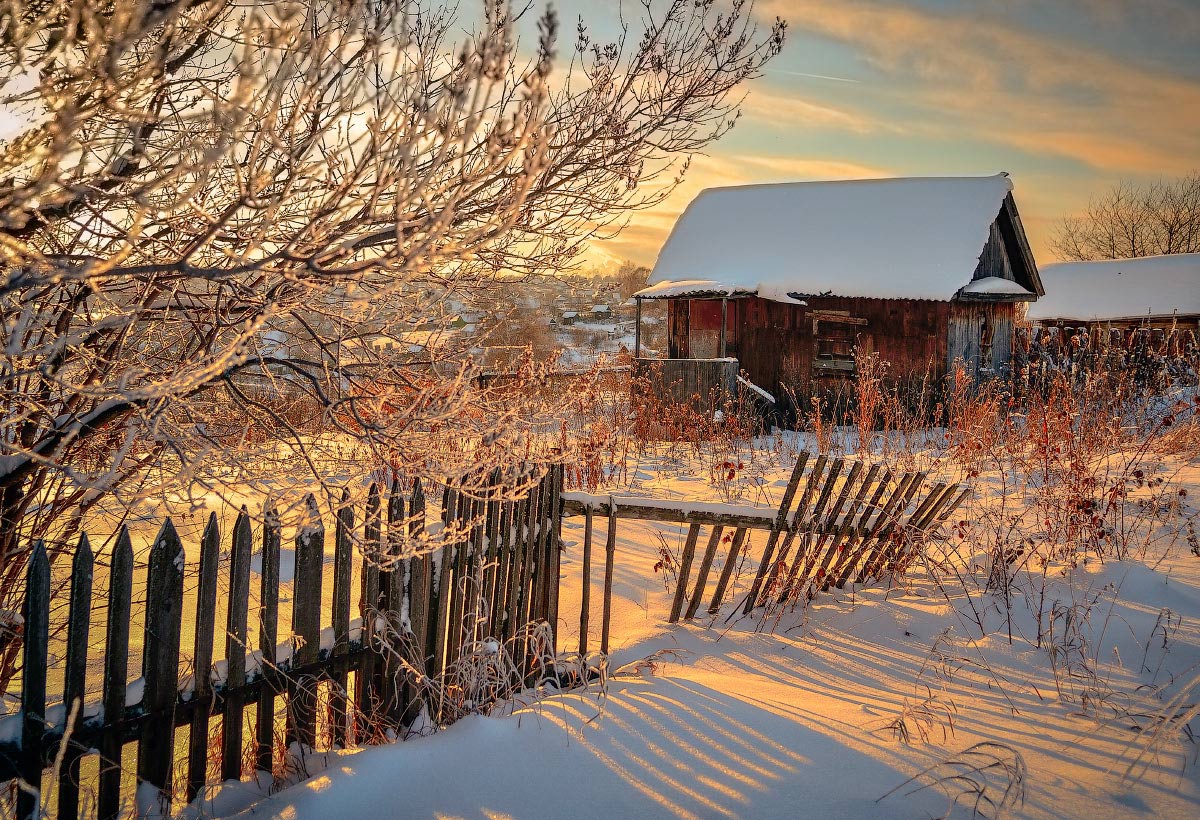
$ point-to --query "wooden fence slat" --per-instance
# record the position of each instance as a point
(520, 513)
(343, 557)
(75, 676)
(739, 537)
(526, 564)
(268, 638)
(780, 524)
(685, 570)
(444, 583)
(391, 590)
(556, 516)
(868, 532)
(116, 674)
(458, 589)
(366, 681)
(160, 671)
(710, 552)
(202, 651)
(33, 681)
(236, 639)
(420, 594)
(306, 625)
(586, 590)
(491, 566)
(610, 551)
(503, 565)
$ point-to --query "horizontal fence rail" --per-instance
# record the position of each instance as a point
(491, 571)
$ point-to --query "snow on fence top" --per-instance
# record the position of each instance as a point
(1120, 288)
(905, 238)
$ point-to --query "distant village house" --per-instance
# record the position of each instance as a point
(1123, 294)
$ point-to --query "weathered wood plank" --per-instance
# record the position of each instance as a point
(739, 537)
(306, 624)
(710, 552)
(237, 637)
(75, 676)
(268, 637)
(33, 681)
(554, 562)
(366, 680)
(160, 669)
(586, 590)
(685, 570)
(202, 651)
(116, 672)
(343, 557)
(420, 595)
(610, 551)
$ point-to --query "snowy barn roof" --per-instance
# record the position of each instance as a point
(907, 238)
(1152, 286)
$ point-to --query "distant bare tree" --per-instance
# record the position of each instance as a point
(631, 278)
(1135, 220)
(217, 213)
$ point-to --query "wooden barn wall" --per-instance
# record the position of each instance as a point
(995, 261)
(677, 329)
(774, 341)
(965, 335)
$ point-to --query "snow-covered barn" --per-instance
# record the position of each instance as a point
(790, 279)
(1151, 291)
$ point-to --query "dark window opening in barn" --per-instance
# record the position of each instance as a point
(987, 336)
(835, 336)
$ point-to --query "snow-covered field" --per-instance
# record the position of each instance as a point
(831, 712)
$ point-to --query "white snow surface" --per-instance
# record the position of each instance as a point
(1120, 288)
(791, 723)
(996, 285)
(904, 238)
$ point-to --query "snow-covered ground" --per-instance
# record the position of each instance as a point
(809, 719)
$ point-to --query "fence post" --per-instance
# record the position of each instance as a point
(610, 551)
(586, 590)
(343, 556)
(75, 688)
(236, 636)
(33, 686)
(685, 570)
(306, 626)
(368, 607)
(268, 639)
(206, 616)
(116, 673)
(160, 669)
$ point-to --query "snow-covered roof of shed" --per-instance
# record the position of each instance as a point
(1120, 288)
(904, 238)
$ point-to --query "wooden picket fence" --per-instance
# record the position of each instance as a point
(337, 681)
(853, 525)
(495, 573)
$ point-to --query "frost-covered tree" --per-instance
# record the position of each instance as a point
(1132, 220)
(220, 221)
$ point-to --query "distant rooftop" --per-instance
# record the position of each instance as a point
(1120, 289)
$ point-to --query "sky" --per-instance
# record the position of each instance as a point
(1067, 96)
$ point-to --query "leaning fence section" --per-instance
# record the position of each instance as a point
(838, 522)
(324, 680)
